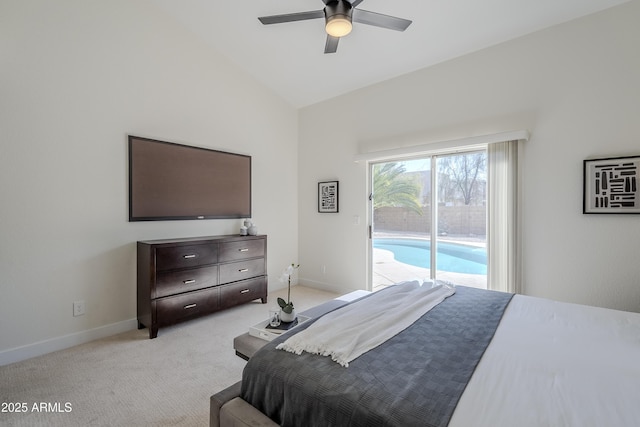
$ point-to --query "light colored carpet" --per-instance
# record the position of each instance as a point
(130, 380)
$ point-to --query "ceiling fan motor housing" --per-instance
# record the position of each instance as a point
(339, 9)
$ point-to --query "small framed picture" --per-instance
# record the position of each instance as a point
(611, 185)
(328, 197)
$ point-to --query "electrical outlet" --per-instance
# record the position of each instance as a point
(78, 308)
(324, 269)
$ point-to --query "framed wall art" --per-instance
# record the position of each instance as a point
(328, 197)
(611, 185)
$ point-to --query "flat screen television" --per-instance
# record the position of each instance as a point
(169, 181)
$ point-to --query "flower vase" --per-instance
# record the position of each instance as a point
(288, 317)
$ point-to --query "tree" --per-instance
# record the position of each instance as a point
(392, 188)
(461, 171)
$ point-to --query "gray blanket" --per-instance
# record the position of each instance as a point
(414, 379)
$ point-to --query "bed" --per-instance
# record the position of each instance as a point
(478, 358)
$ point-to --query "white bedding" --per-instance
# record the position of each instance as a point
(556, 364)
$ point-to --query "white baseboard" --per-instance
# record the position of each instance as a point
(60, 343)
(326, 286)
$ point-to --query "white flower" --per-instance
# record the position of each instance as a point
(286, 274)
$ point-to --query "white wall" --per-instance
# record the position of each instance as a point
(77, 77)
(574, 86)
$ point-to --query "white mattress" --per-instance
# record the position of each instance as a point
(556, 364)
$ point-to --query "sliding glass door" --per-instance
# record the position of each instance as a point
(429, 220)
(462, 219)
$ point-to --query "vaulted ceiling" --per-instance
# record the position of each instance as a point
(289, 58)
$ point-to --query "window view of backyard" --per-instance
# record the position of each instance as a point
(429, 203)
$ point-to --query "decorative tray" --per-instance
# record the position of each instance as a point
(263, 331)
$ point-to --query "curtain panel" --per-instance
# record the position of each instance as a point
(503, 234)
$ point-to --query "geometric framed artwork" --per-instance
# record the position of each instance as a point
(328, 197)
(611, 186)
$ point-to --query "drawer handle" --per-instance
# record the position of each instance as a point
(187, 307)
(189, 256)
(243, 250)
(188, 282)
(243, 270)
(244, 291)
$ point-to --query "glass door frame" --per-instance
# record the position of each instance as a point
(434, 215)
(433, 234)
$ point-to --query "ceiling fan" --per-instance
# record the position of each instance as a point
(338, 15)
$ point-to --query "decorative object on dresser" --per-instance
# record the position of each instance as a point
(180, 279)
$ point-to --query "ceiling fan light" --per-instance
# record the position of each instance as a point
(338, 25)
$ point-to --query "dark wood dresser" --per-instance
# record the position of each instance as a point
(179, 279)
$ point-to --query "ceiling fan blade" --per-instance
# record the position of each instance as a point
(355, 3)
(291, 17)
(380, 20)
(332, 44)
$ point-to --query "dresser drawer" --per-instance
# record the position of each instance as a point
(232, 251)
(174, 309)
(234, 271)
(173, 257)
(177, 282)
(244, 291)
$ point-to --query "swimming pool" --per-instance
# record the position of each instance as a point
(452, 257)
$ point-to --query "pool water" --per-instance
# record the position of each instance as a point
(452, 257)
